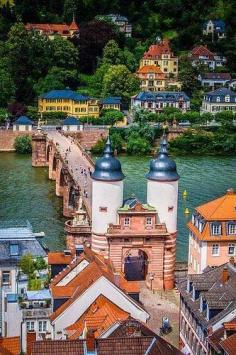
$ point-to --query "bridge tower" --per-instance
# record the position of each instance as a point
(162, 193)
(107, 192)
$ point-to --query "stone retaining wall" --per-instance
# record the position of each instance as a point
(7, 139)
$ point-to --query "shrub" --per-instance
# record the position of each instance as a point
(23, 144)
(27, 265)
(99, 147)
(117, 142)
(137, 145)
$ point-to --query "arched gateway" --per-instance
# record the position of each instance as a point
(135, 264)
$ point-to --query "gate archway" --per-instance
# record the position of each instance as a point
(136, 265)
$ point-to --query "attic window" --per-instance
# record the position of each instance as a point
(14, 249)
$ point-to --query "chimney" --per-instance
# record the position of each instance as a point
(90, 341)
(225, 274)
(232, 261)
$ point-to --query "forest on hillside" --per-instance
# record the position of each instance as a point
(31, 64)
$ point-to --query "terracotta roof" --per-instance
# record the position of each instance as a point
(222, 208)
(62, 291)
(10, 346)
(100, 316)
(98, 266)
(51, 28)
(155, 51)
(55, 258)
(202, 51)
(146, 69)
(229, 345)
(73, 26)
(108, 346)
(206, 234)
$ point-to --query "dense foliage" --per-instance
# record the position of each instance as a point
(23, 144)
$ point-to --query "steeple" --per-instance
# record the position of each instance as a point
(108, 168)
(162, 168)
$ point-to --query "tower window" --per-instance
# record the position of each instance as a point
(149, 221)
(102, 209)
(127, 221)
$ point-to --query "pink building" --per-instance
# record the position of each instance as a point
(212, 238)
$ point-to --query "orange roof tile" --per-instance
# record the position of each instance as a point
(55, 258)
(98, 267)
(156, 50)
(222, 208)
(150, 69)
(229, 344)
(10, 346)
(61, 28)
(100, 316)
(73, 26)
(202, 51)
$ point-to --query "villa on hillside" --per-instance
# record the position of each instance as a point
(157, 101)
(215, 28)
(52, 29)
(122, 23)
(201, 55)
(161, 55)
(214, 80)
(222, 99)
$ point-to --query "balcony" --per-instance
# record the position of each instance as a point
(147, 230)
(36, 313)
(79, 229)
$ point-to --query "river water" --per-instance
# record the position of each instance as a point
(26, 192)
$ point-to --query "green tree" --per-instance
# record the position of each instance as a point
(27, 265)
(188, 76)
(7, 87)
(137, 145)
(64, 54)
(118, 81)
(40, 263)
(117, 142)
(98, 147)
(112, 54)
(23, 144)
(110, 116)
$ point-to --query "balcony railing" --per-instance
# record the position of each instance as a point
(70, 228)
(36, 313)
(119, 229)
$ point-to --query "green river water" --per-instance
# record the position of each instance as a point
(26, 192)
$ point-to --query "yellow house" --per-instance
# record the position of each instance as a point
(111, 102)
(161, 55)
(69, 102)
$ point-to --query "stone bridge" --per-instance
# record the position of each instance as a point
(70, 166)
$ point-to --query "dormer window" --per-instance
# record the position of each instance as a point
(227, 98)
(218, 99)
(14, 249)
(216, 228)
(232, 228)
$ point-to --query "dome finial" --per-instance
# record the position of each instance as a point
(108, 148)
(164, 144)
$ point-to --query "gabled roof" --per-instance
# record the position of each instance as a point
(10, 346)
(219, 25)
(229, 345)
(64, 94)
(222, 208)
(23, 120)
(57, 258)
(71, 121)
(52, 28)
(98, 266)
(200, 51)
(150, 69)
(221, 92)
(100, 316)
(155, 51)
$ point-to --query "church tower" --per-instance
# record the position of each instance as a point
(162, 193)
(107, 192)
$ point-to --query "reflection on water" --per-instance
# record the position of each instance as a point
(26, 192)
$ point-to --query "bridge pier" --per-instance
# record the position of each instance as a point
(39, 143)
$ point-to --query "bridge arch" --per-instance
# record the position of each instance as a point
(54, 163)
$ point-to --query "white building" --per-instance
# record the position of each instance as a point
(23, 124)
(219, 100)
(72, 124)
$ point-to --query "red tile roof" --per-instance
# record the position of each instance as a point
(55, 258)
(98, 266)
(155, 51)
(10, 346)
(202, 51)
(100, 316)
(229, 345)
(51, 28)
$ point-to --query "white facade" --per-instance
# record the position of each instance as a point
(22, 128)
(107, 198)
(164, 197)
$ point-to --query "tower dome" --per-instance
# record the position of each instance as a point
(162, 168)
(108, 168)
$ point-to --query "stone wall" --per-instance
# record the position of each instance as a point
(88, 138)
(7, 139)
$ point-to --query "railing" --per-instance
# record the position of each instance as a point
(36, 313)
(69, 227)
(117, 228)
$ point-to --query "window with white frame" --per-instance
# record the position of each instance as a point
(231, 249)
(216, 228)
(42, 326)
(227, 98)
(149, 221)
(215, 249)
(231, 228)
(5, 277)
(29, 326)
(218, 99)
(127, 221)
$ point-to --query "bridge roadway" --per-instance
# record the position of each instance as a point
(77, 160)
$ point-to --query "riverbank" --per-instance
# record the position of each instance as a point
(7, 139)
